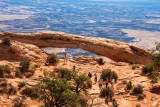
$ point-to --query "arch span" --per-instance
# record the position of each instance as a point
(115, 50)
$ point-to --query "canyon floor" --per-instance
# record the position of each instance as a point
(84, 65)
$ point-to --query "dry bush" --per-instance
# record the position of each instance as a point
(138, 89)
(6, 41)
(52, 59)
(30, 92)
(19, 102)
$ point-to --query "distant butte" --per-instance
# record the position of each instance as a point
(115, 50)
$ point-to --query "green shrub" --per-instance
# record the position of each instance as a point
(156, 56)
(107, 73)
(152, 73)
(157, 60)
(147, 69)
(129, 85)
(6, 41)
(137, 89)
(154, 76)
(88, 83)
(4, 69)
(107, 92)
(52, 59)
(26, 69)
(59, 90)
(30, 92)
(24, 65)
(82, 82)
(65, 73)
(100, 61)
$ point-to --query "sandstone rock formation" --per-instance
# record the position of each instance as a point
(20, 51)
(115, 50)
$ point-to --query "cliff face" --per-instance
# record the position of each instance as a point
(115, 50)
(21, 51)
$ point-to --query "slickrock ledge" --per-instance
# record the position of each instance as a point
(20, 51)
(115, 50)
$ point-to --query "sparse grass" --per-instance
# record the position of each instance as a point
(129, 85)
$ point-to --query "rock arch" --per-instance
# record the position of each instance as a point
(115, 50)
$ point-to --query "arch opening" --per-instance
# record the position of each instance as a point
(73, 52)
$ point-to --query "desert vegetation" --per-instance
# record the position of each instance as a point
(57, 92)
(52, 59)
(138, 89)
(100, 61)
(25, 69)
(4, 70)
(153, 70)
(109, 74)
(129, 85)
(6, 41)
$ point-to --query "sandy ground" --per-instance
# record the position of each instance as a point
(143, 39)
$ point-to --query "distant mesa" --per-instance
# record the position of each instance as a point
(115, 50)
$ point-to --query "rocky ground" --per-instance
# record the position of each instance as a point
(84, 65)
